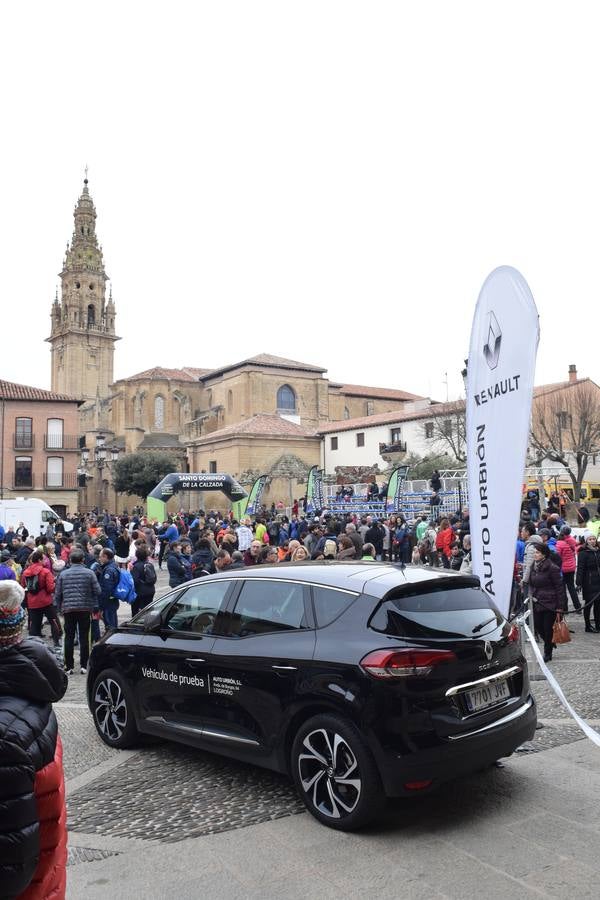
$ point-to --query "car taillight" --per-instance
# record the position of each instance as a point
(514, 633)
(404, 663)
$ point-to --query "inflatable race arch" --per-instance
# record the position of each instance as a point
(191, 481)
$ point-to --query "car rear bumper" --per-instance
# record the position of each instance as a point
(460, 755)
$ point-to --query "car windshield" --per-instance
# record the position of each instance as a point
(462, 612)
(159, 604)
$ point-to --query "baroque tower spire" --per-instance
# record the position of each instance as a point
(83, 322)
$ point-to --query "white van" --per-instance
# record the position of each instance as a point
(32, 512)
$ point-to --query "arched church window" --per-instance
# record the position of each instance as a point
(286, 398)
(229, 401)
(346, 412)
(159, 412)
(209, 399)
(91, 317)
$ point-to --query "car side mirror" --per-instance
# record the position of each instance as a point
(153, 622)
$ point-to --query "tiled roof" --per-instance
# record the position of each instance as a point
(266, 359)
(11, 391)
(260, 425)
(187, 373)
(389, 418)
(543, 389)
(362, 390)
(428, 412)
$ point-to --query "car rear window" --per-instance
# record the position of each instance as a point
(330, 603)
(462, 612)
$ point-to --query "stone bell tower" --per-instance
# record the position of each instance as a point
(83, 336)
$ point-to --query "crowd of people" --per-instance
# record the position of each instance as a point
(77, 580)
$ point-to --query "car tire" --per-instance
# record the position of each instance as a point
(335, 773)
(112, 710)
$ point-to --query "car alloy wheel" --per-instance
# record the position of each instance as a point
(110, 710)
(329, 773)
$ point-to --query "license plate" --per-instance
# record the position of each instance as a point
(486, 696)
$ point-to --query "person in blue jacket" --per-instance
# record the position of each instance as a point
(108, 578)
(166, 536)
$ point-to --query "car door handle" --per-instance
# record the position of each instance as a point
(195, 661)
(286, 668)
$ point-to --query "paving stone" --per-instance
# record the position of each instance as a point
(171, 793)
(85, 854)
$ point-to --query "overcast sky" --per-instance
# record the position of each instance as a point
(326, 181)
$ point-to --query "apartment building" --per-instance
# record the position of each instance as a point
(39, 444)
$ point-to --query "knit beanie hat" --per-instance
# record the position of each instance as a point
(12, 614)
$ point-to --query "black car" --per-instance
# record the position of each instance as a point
(361, 680)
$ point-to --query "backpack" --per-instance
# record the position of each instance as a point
(149, 573)
(125, 589)
(32, 584)
(330, 548)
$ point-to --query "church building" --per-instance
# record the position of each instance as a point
(260, 415)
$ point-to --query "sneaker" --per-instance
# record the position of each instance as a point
(83, 671)
(69, 671)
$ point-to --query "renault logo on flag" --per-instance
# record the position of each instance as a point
(491, 350)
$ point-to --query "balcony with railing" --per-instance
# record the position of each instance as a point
(61, 442)
(55, 482)
(392, 447)
(23, 440)
(23, 481)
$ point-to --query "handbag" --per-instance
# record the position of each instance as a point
(560, 631)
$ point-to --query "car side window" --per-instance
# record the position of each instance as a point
(265, 607)
(330, 603)
(197, 608)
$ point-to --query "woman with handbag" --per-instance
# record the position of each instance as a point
(588, 579)
(546, 588)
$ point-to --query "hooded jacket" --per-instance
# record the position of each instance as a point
(33, 836)
(44, 596)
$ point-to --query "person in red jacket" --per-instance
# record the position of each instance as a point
(443, 542)
(33, 829)
(39, 590)
(566, 547)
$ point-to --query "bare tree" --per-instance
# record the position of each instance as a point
(565, 428)
(448, 430)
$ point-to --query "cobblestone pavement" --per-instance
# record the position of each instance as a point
(166, 792)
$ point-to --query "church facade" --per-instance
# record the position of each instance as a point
(260, 415)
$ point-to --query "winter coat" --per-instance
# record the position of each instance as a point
(23, 554)
(588, 572)
(567, 548)
(202, 560)
(45, 595)
(443, 540)
(375, 535)
(77, 590)
(7, 573)
(122, 547)
(108, 578)
(177, 570)
(348, 553)
(33, 836)
(546, 585)
(143, 589)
